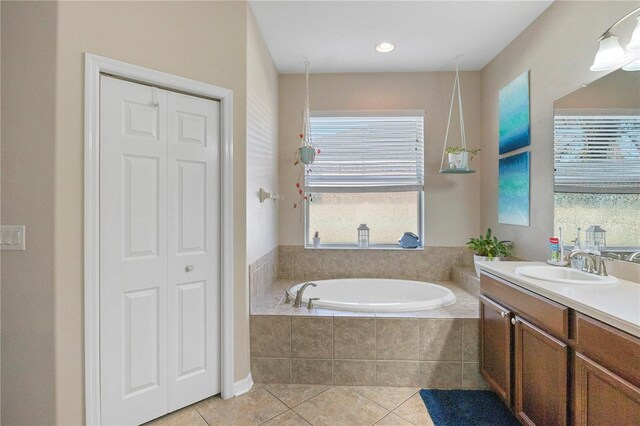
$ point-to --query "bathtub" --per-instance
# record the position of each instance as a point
(375, 295)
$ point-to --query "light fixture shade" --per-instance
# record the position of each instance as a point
(634, 44)
(633, 66)
(610, 55)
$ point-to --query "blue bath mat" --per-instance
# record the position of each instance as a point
(467, 407)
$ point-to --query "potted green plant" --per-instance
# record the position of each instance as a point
(459, 157)
(488, 248)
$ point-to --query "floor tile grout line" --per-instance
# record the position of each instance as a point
(369, 399)
(201, 416)
(404, 418)
(269, 419)
(309, 399)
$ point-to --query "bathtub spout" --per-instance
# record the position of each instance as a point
(298, 301)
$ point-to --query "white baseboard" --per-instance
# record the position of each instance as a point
(243, 386)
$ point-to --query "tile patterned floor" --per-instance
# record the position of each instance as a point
(293, 405)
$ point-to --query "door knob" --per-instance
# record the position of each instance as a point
(189, 268)
(514, 321)
(503, 314)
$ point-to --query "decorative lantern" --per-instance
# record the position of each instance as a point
(596, 237)
(363, 236)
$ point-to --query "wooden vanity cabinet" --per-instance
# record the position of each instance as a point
(495, 343)
(606, 378)
(525, 349)
(534, 384)
(540, 377)
(602, 397)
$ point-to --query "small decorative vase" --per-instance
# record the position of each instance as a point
(459, 160)
(316, 242)
(477, 259)
(306, 154)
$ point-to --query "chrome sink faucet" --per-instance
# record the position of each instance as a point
(595, 263)
(298, 301)
(591, 262)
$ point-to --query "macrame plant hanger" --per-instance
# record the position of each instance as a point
(306, 152)
(451, 167)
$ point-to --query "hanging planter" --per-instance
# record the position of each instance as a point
(306, 153)
(458, 157)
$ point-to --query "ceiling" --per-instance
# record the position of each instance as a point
(340, 36)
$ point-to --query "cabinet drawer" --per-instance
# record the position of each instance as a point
(610, 347)
(544, 313)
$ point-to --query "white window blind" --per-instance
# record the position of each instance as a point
(597, 153)
(367, 153)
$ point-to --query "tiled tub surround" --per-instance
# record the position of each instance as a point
(262, 274)
(434, 348)
(431, 264)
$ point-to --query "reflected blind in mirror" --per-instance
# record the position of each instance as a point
(367, 152)
(597, 153)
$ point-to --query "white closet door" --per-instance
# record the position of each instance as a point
(159, 251)
(133, 252)
(194, 249)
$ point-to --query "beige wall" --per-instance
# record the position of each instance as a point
(452, 202)
(204, 41)
(28, 125)
(618, 90)
(558, 49)
(43, 173)
(262, 145)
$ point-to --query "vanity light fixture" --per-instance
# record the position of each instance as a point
(634, 46)
(611, 55)
(385, 47)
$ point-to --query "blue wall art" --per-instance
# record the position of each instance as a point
(513, 105)
(513, 190)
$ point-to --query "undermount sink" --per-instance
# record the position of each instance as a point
(564, 275)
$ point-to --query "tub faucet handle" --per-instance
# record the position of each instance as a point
(287, 297)
(310, 304)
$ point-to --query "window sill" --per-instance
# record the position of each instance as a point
(374, 247)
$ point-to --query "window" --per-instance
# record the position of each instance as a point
(597, 153)
(597, 174)
(370, 170)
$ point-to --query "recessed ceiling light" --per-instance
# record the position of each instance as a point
(385, 47)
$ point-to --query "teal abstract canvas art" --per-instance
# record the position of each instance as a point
(513, 105)
(513, 190)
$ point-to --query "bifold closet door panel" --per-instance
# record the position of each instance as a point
(133, 252)
(194, 249)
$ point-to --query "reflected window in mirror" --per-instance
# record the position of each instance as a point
(597, 161)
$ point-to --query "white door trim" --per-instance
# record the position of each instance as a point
(94, 66)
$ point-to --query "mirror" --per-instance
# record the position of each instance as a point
(597, 165)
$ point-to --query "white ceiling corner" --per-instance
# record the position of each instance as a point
(340, 36)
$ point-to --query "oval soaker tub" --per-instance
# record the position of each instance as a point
(375, 295)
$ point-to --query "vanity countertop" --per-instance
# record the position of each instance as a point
(617, 305)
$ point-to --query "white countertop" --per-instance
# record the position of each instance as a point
(617, 305)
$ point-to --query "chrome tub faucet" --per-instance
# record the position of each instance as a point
(298, 301)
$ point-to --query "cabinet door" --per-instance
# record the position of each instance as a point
(540, 376)
(495, 347)
(601, 397)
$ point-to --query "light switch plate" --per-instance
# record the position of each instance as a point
(12, 237)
